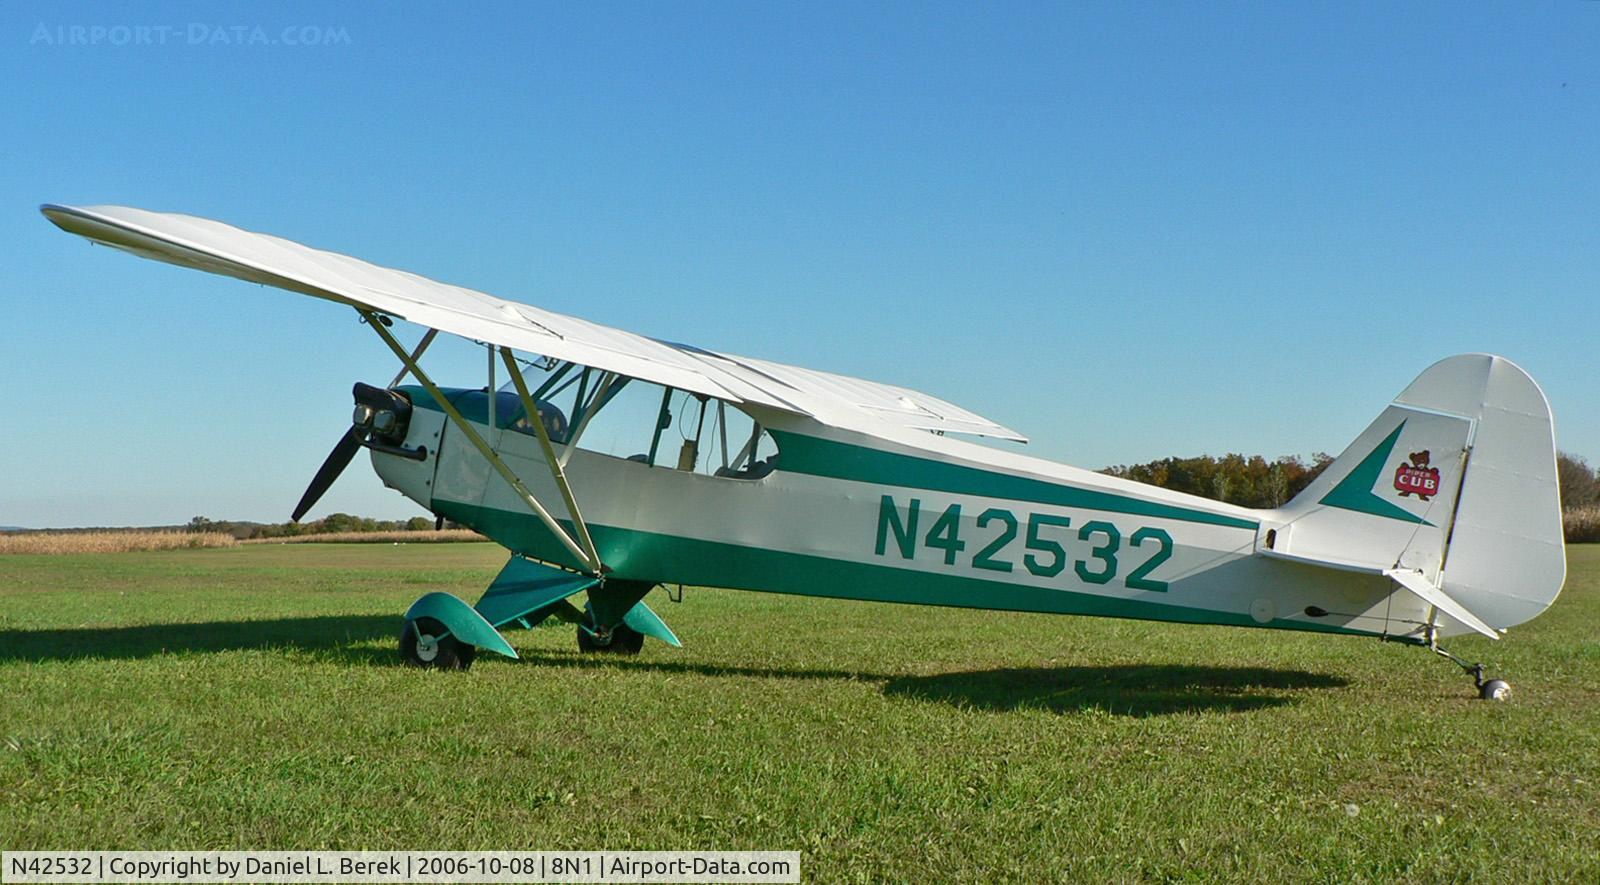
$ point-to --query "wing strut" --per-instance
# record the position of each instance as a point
(427, 339)
(590, 560)
(531, 409)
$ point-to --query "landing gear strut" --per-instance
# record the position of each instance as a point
(619, 640)
(1488, 689)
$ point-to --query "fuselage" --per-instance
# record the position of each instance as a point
(905, 517)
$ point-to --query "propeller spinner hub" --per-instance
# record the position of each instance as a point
(382, 412)
(381, 418)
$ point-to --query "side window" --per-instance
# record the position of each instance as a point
(733, 445)
(644, 422)
(706, 436)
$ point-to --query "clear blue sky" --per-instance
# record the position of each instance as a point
(1128, 230)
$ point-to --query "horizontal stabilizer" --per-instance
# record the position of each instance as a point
(1413, 580)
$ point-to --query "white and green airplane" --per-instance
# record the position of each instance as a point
(611, 463)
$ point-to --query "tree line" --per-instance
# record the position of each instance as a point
(1253, 481)
(1580, 497)
(333, 523)
(1580, 483)
(1249, 481)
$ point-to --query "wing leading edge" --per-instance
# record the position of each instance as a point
(219, 248)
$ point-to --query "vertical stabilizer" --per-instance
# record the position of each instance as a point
(1454, 482)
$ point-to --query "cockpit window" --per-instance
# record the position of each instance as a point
(644, 422)
(732, 444)
(509, 414)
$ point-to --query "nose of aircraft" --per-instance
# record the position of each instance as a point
(380, 421)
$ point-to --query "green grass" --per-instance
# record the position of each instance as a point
(251, 698)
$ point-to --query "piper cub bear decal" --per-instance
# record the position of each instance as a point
(1417, 478)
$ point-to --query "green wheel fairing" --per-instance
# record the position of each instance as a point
(463, 620)
(644, 619)
(528, 591)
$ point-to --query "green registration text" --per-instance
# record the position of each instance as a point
(1042, 535)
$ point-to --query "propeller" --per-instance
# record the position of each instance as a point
(338, 460)
(380, 420)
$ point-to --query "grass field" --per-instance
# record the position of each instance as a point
(251, 697)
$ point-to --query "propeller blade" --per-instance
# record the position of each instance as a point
(338, 460)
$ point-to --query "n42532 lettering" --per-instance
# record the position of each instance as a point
(1044, 537)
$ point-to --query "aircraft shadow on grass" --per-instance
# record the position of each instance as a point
(1130, 690)
(608, 662)
(1127, 690)
(339, 637)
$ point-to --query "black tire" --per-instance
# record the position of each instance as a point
(623, 640)
(444, 653)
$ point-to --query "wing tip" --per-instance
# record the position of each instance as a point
(54, 211)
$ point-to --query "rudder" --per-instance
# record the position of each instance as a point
(1456, 479)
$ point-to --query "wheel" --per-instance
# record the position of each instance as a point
(620, 640)
(1495, 690)
(426, 642)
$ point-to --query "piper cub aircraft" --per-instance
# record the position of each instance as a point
(611, 463)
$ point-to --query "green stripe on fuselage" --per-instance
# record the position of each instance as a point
(649, 556)
(836, 460)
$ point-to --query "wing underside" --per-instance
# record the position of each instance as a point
(218, 248)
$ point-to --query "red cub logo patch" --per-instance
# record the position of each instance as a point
(1417, 478)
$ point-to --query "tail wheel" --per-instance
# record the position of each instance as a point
(619, 640)
(426, 642)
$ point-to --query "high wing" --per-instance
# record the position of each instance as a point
(215, 247)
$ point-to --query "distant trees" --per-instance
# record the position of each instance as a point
(1251, 481)
(1580, 486)
(330, 524)
(1256, 482)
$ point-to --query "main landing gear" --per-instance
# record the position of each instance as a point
(619, 640)
(444, 633)
(427, 642)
